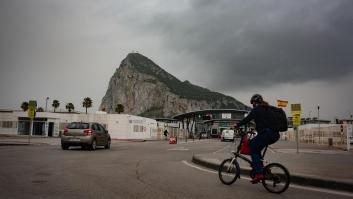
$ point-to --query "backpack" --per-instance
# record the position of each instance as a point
(277, 119)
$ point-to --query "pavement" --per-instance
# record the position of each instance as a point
(316, 166)
(8, 140)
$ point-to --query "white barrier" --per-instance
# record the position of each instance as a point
(337, 135)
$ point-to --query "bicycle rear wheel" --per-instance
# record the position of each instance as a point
(229, 171)
(276, 178)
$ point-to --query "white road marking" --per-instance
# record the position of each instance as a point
(291, 185)
(271, 150)
(178, 149)
(199, 168)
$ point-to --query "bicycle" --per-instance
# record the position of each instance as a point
(276, 176)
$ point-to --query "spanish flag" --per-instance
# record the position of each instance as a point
(282, 103)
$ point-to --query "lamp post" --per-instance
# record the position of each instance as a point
(46, 103)
(318, 118)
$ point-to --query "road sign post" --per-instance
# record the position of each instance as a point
(296, 110)
(32, 106)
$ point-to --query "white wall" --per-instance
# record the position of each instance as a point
(8, 117)
(120, 126)
(123, 126)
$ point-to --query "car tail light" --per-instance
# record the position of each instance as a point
(65, 131)
(88, 131)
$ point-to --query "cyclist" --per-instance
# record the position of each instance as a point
(265, 135)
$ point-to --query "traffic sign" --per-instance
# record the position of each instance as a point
(296, 110)
(295, 107)
(32, 104)
(296, 119)
(31, 113)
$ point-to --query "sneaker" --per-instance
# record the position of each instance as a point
(258, 178)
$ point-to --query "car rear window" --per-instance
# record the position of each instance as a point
(78, 125)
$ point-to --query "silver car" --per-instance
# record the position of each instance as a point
(85, 134)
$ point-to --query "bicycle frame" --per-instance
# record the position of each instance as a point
(237, 154)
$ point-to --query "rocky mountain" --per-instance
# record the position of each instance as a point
(145, 89)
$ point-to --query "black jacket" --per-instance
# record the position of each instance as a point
(259, 115)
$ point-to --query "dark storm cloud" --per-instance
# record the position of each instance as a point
(263, 42)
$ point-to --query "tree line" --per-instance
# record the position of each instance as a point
(86, 103)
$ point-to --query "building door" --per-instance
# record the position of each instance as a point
(50, 129)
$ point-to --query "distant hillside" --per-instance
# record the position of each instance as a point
(146, 89)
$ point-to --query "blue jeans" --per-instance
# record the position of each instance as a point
(258, 143)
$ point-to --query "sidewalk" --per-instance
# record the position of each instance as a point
(6, 140)
(318, 166)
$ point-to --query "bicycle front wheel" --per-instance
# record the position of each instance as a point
(276, 178)
(229, 171)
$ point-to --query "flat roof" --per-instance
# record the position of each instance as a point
(185, 115)
(165, 119)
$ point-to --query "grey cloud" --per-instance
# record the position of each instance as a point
(51, 48)
(249, 43)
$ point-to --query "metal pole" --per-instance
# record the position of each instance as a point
(297, 138)
(30, 132)
(318, 121)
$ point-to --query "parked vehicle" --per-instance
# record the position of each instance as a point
(85, 134)
(214, 133)
(227, 134)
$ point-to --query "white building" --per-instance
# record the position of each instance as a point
(120, 126)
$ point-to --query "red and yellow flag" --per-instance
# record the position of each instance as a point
(282, 103)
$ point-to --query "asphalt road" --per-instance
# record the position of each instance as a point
(128, 170)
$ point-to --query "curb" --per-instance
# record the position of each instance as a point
(13, 144)
(130, 140)
(299, 179)
(17, 143)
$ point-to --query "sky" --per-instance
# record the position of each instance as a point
(300, 51)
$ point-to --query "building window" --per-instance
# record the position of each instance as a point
(7, 124)
(139, 128)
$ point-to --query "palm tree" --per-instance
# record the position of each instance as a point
(119, 108)
(40, 109)
(24, 106)
(70, 106)
(87, 103)
(55, 104)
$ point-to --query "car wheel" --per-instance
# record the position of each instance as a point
(107, 146)
(94, 145)
(64, 146)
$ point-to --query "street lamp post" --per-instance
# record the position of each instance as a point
(318, 119)
(46, 103)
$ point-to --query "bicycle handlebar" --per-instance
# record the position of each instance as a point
(243, 133)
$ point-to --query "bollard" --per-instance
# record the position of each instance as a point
(330, 141)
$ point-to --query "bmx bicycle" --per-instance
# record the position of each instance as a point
(276, 176)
